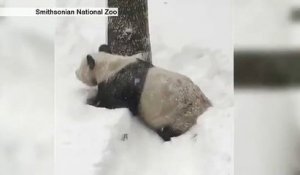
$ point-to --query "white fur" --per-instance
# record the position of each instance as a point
(172, 99)
(85, 75)
(107, 65)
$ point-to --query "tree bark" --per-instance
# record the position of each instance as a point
(128, 33)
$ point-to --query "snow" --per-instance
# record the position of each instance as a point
(267, 131)
(43, 106)
(272, 18)
(267, 121)
(89, 140)
(26, 96)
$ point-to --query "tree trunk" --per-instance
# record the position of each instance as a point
(128, 33)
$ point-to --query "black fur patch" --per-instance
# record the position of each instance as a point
(90, 61)
(104, 48)
(124, 88)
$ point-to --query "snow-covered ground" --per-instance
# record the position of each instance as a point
(26, 96)
(265, 24)
(42, 108)
(267, 131)
(192, 38)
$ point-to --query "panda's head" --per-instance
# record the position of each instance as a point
(101, 66)
(86, 71)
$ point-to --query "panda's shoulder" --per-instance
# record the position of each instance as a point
(138, 65)
(138, 69)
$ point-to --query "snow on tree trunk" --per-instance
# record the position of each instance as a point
(128, 33)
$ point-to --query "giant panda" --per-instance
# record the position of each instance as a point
(167, 102)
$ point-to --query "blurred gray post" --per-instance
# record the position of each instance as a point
(128, 33)
(273, 68)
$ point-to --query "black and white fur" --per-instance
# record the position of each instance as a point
(167, 102)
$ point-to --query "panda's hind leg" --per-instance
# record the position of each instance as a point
(167, 132)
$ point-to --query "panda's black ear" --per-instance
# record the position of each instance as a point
(90, 61)
(104, 48)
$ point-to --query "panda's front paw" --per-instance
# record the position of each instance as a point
(93, 102)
